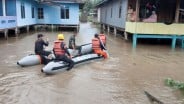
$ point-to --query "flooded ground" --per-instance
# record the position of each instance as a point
(121, 79)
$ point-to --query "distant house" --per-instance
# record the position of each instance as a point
(168, 23)
(24, 13)
(112, 14)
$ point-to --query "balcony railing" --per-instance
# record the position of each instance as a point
(155, 28)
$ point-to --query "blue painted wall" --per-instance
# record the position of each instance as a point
(52, 15)
(10, 7)
(28, 20)
(8, 22)
(115, 20)
(1, 8)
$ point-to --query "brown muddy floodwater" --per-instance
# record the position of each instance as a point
(121, 79)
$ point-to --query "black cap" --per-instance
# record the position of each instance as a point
(96, 35)
(40, 35)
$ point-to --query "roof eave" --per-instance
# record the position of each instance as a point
(101, 3)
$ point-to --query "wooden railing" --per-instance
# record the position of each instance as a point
(155, 28)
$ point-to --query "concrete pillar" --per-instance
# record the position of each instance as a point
(4, 8)
(173, 41)
(126, 35)
(17, 31)
(134, 41)
(103, 26)
(6, 33)
(108, 29)
(115, 31)
(27, 28)
(182, 42)
(52, 27)
(35, 27)
(78, 27)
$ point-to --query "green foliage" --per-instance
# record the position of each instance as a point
(174, 84)
(97, 1)
(90, 4)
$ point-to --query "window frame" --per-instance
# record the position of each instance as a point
(65, 12)
(111, 12)
(40, 13)
(33, 12)
(22, 9)
(1, 7)
(120, 9)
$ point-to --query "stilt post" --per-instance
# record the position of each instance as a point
(6, 33)
(115, 31)
(108, 29)
(173, 41)
(134, 40)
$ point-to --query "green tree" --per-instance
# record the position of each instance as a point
(88, 6)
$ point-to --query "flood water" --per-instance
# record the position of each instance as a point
(121, 79)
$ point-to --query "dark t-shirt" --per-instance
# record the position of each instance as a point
(72, 41)
(39, 45)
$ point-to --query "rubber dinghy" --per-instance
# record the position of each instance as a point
(33, 59)
(59, 66)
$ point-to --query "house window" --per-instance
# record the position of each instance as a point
(40, 13)
(32, 10)
(120, 9)
(111, 12)
(1, 8)
(10, 7)
(22, 11)
(65, 12)
(105, 12)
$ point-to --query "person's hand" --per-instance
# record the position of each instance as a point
(73, 47)
(70, 57)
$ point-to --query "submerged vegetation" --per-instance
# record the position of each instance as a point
(175, 84)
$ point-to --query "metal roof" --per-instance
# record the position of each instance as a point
(60, 1)
(102, 2)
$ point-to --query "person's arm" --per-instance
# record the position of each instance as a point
(66, 50)
(46, 43)
(73, 46)
(101, 44)
(73, 42)
(63, 46)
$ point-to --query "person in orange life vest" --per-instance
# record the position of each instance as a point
(98, 46)
(103, 37)
(60, 51)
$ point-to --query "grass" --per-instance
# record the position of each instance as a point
(175, 84)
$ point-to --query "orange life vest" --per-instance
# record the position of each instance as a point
(96, 44)
(57, 48)
(103, 38)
